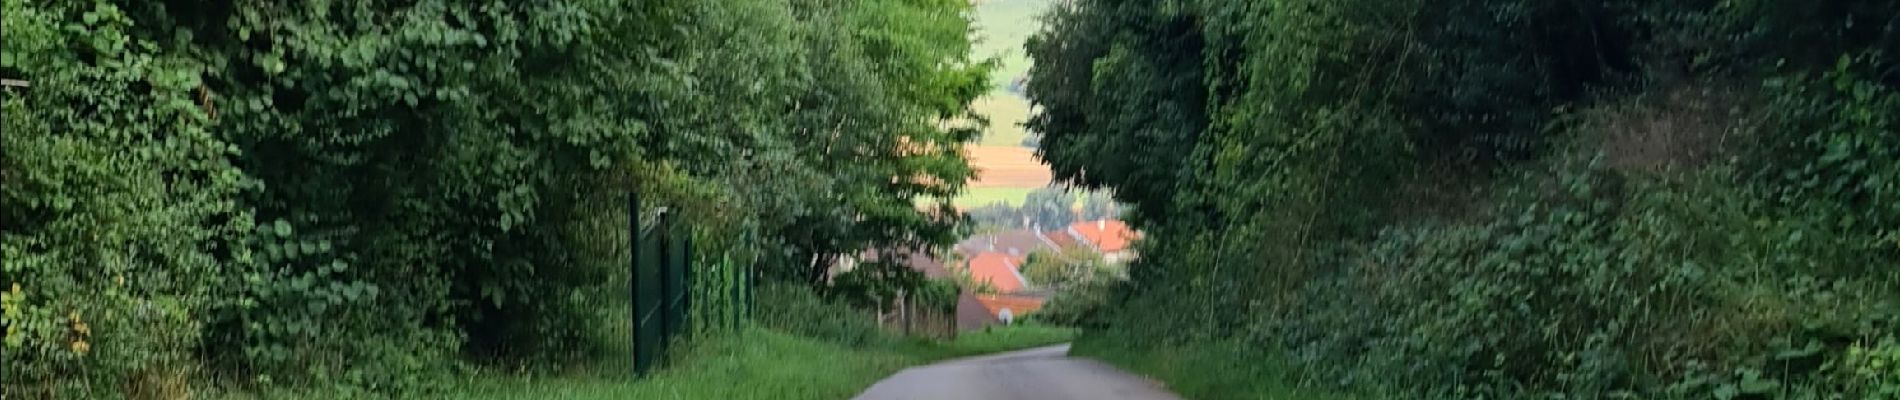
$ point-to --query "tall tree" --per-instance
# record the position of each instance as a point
(1049, 208)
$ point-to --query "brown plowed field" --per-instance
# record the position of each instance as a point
(1007, 166)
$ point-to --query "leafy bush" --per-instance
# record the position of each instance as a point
(1244, 371)
(1647, 290)
(1409, 197)
(1083, 284)
(798, 310)
(845, 314)
(1828, 148)
(1085, 305)
(352, 195)
(1877, 368)
(996, 216)
(117, 198)
(938, 294)
(1070, 266)
(876, 285)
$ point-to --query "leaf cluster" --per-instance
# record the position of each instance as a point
(369, 195)
(1415, 192)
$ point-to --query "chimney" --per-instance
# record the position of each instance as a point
(1101, 224)
(992, 242)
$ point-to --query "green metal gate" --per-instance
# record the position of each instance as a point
(656, 266)
(663, 267)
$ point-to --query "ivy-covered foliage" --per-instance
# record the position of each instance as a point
(118, 202)
(1498, 198)
(361, 194)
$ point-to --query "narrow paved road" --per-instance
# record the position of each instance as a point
(1034, 374)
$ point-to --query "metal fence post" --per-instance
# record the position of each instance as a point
(640, 361)
(670, 281)
(648, 291)
(686, 280)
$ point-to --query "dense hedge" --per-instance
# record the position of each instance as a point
(360, 194)
(1498, 198)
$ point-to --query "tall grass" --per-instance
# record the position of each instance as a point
(803, 347)
(1208, 370)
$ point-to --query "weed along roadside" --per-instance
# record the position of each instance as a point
(815, 350)
(758, 364)
(1211, 370)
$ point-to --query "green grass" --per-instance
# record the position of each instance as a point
(987, 341)
(1207, 371)
(978, 197)
(759, 364)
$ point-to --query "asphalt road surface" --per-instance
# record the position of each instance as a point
(1034, 374)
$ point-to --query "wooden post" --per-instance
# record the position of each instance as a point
(905, 310)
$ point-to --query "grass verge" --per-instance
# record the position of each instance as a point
(759, 364)
(1212, 371)
(996, 339)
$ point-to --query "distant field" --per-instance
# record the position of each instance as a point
(1002, 26)
(1006, 112)
(978, 197)
(999, 166)
(1006, 170)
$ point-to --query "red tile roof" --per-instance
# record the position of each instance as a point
(1018, 306)
(1061, 238)
(971, 313)
(997, 269)
(1106, 235)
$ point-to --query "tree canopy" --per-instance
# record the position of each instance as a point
(1495, 198)
(356, 192)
